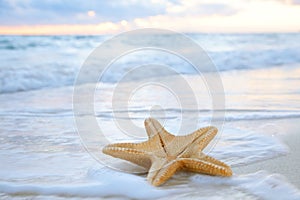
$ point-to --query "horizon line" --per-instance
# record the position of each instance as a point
(188, 32)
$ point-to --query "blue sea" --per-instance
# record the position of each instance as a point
(42, 155)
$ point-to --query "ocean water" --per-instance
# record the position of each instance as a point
(42, 155)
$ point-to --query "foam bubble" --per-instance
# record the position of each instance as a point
(105, 183)
(261, 184)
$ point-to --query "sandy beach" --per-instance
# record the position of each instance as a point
(287, 165)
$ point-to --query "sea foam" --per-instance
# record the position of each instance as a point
(104, 182)
(234, 146)
(101, 183)
(261, 184)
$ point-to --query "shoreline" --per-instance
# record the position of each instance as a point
(286, 165)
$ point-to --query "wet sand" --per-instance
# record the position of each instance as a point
(287, 165)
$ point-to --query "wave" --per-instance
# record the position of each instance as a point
(255, 59)
(204, 115)
(169, 113)
(32, 78)
(260, 184)
(107, 183)
(35, 62)
(235, 147)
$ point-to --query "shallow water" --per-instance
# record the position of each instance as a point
(42, 156)
(34, 62)
(41, 153)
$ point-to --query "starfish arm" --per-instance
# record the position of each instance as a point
(184, 146)
(203, 136)
(161, 170)
(207, 165)
(126, 152)
(153, 127)
(219, 163)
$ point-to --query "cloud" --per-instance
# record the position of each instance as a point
(242, 16)
(47, 12)
(31, 12)
(294, 2)
(114, 16)
(200, 8)
(290, 2)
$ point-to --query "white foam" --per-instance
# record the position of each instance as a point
(35, 62)
(261, 184)
(105, 183)
(239, 147)
(235, 147)
(108, 183)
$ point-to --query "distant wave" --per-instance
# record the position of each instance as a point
(254, 59)
(230, 115)
(34, 62)
(15, 79)
(171, 113)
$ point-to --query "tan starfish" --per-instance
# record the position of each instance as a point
(163, 154)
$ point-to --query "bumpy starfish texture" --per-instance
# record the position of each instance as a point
(163, 153)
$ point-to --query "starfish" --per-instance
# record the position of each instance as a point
(163, 153)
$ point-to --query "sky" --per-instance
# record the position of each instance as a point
(47, 17)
